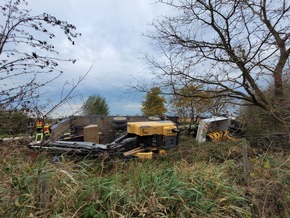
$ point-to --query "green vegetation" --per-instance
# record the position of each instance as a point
(96, 105)
(186, 104)
(153, 103)
(13, 123)
(189, 181)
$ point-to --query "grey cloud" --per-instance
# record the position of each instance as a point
(111, 42)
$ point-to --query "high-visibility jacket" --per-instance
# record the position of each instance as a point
(46, 129)
(39, 124)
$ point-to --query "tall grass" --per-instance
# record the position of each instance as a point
(190, 181)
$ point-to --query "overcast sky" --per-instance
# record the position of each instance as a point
(112, 42)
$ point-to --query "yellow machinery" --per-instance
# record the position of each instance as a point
(219, 136)
(153, 137)
(142, 139)
(214, 129)
(164, 128)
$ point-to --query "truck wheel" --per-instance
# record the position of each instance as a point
(120, 120)
(154, 118)
(119, 125)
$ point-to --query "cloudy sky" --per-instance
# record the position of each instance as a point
(112, 42)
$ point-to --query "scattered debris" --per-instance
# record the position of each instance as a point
(141, 139)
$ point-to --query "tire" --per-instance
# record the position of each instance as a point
(154, 118)
(119, 125)
(120, 120)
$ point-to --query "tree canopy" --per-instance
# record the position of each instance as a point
(232, 49)
(153, 104)
(185, 106)
(96, 105)
(28, 57)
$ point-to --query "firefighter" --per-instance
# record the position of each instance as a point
(39, 130)
(39, 126)
(42, 130)
(46, 131)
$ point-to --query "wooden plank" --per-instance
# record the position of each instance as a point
(133, 151)
(91, 133)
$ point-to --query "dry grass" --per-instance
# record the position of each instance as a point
(189, 181)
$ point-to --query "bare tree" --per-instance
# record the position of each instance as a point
(232, 48)
(28, 58)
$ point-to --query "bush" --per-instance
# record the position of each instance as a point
(13, 123)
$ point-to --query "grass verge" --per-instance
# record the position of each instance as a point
(189, 181)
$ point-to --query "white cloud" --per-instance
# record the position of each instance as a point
(111, 42)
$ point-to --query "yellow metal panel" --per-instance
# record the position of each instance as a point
(167, 130)
(144, 155)
(161, 152)
(151, 128)
(220, 136)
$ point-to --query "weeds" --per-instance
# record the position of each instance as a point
(189, 181)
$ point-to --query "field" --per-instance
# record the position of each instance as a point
(191, 180)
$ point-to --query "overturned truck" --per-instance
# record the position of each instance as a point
(115, 136)
(217, 129)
